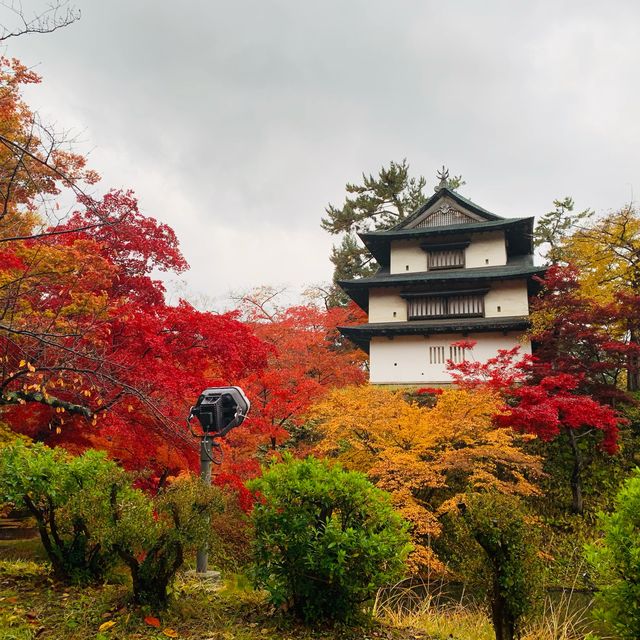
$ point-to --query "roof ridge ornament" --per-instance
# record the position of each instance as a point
(443, 176)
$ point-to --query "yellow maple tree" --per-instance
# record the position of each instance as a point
(426, 458)
(603, 254)
(607, 254)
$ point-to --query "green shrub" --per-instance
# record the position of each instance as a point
(152, 535)
(66, 496)
(326, 539)
(88, 515)
(499, 526)
(616, 562)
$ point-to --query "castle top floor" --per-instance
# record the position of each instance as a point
(451, 232)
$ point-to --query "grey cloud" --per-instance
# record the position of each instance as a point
(242, 120)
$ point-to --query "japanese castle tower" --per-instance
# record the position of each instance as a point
(449, 271)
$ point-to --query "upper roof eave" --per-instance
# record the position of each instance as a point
(489, 225)
(437, 326)
(399, 279)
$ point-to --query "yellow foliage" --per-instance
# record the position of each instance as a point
(426, 458)
(9, 437)
(607, 254)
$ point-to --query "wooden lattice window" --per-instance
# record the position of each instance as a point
(445, 255)
(436, 355)
(457, 354)
(445, 259)
(446, 306)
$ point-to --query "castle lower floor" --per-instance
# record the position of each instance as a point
(416, 359)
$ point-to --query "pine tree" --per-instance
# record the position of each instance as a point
(379, 203)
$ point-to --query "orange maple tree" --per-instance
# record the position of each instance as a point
(426, 457)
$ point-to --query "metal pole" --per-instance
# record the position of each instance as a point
(206, 455)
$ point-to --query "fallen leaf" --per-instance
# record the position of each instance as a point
(106, 625)
(152, 622)
(12, 599)
(170, 633)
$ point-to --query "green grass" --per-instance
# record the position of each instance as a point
(562, 617)
(22, 550)
(33, 605)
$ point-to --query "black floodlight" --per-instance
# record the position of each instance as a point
(220, 409)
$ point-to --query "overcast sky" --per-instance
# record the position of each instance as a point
(237, 122)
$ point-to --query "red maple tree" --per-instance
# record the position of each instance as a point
(90, 353)
(543, 399)
(306, 358)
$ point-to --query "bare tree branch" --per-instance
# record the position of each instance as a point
(55, 16)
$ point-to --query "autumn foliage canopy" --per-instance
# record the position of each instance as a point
(91, 355)
(426, 457)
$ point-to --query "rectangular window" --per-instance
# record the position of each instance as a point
(436, 355)
(446, 259)
(465, 306)
(456, 354)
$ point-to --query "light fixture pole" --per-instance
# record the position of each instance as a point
(218, 409)
(206, 458)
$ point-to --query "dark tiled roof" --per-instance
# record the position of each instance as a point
(489, 225)
(508, 271)
(454, 195)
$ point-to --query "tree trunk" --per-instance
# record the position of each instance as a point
(577, 505)
(502, 618)
(59, 570)
(151, 577)
(633, 375)
(503, 624)
(150, 590)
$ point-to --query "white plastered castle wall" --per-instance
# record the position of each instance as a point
(504, 299)
(485, 250)
(406, 359)
(507, 298)
(384, 303)
(407, 253)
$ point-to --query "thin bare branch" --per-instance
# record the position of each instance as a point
(56, 16)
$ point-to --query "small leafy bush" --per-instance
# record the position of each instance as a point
(152, 535)
(89, 515)
(616, 562)
(66, 495)
(507, 540)
(326, 539)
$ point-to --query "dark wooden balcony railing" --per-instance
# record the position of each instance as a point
(452, 306)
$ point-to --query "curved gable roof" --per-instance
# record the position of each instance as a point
(476, 212)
